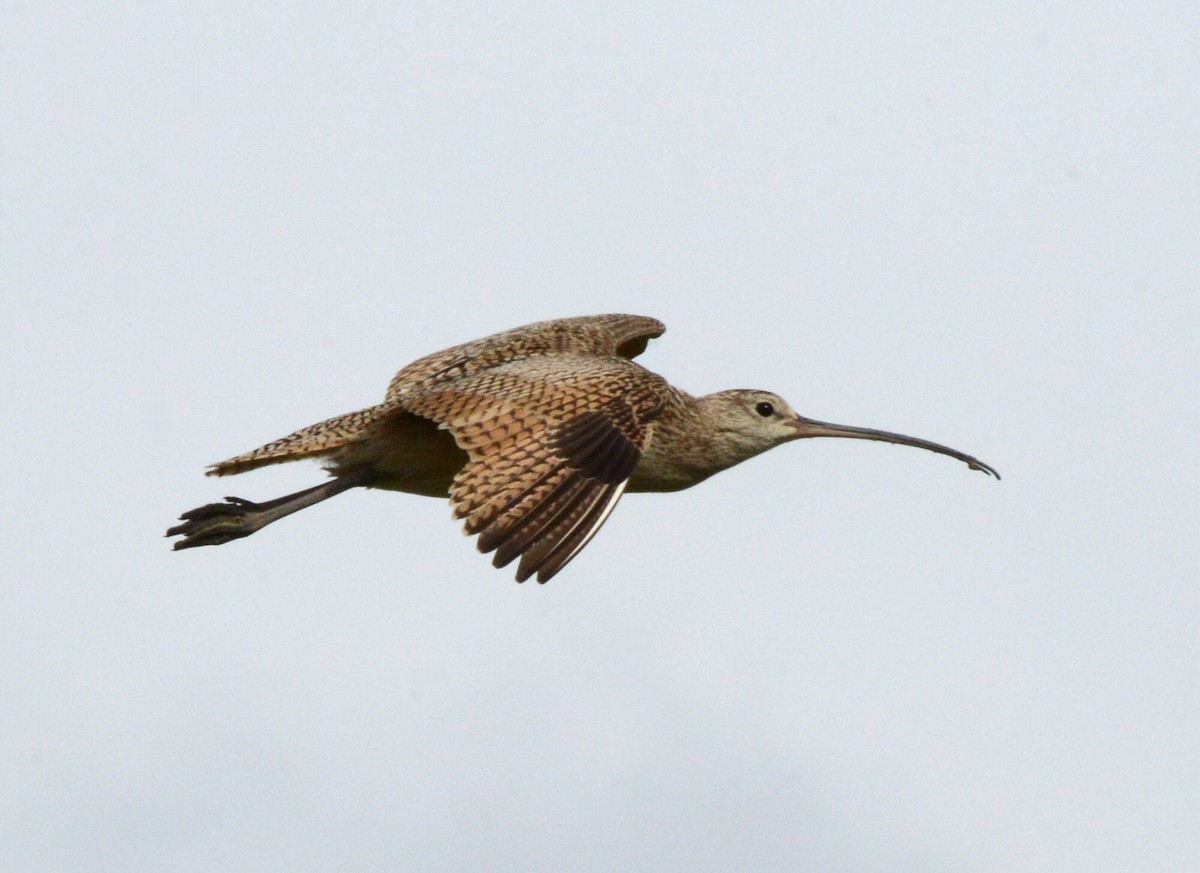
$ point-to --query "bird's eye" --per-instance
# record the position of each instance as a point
(766, 410)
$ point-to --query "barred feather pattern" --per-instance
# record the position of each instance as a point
(551, 449)
(622, 336)
(313, 441)
(553, 417)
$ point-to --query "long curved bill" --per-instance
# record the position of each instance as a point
(807, 427)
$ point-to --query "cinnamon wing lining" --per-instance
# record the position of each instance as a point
(549, 523)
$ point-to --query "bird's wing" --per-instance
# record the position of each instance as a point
(622, 336)
(552, 443)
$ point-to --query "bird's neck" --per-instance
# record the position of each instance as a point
(688, 447)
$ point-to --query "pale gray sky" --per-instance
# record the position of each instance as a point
(977, 226)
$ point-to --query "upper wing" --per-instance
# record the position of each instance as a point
(622, 336)
(552, 443)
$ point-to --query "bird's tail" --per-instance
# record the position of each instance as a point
(310, 442)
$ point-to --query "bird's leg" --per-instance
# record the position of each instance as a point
(216, 523)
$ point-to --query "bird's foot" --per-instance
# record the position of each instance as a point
(216, 523)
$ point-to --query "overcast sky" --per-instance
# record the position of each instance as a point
(975, 226)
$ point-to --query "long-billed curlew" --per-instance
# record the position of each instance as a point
(533, 434)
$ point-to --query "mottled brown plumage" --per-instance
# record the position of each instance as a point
(534, 434)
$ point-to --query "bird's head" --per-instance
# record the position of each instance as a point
(749, 422)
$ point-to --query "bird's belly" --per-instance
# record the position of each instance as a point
(407, 453)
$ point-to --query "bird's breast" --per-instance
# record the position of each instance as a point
(660, 471)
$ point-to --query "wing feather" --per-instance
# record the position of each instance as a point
(624, 336)
(551, 553)
(551, 446)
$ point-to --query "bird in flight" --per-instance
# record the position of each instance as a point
(534, 434)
